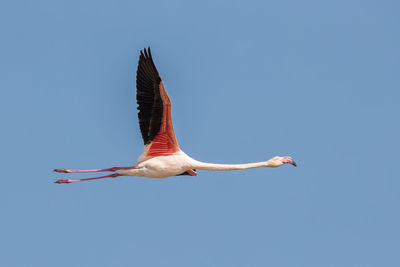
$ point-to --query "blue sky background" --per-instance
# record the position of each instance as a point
(317, 80)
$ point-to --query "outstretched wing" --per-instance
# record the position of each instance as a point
(154, 108)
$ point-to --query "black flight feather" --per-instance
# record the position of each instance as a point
(148, 97)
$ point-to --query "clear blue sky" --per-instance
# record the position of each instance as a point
(317, 80)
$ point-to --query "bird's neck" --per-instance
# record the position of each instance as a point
(228, 167)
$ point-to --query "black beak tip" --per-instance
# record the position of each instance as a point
(294, 164)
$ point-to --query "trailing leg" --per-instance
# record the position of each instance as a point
(113, 169)
(68, 181)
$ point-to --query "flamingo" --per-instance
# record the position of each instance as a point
(162, 156)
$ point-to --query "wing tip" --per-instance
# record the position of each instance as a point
(146, 52)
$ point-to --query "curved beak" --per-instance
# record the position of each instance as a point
(289, 160)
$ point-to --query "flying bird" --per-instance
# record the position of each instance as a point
(162, 157)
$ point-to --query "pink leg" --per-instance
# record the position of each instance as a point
(113, 169)
(67, 181)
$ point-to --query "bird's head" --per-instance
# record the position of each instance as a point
(279, 161)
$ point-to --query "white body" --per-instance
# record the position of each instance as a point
(161, 166)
